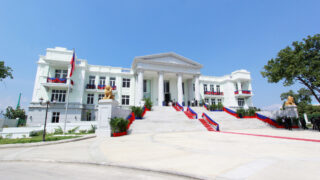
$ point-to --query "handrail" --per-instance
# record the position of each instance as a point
(204, 115)
(192, 112)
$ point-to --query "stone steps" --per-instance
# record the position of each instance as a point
(165, 119)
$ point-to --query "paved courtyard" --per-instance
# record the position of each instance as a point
(172, 155)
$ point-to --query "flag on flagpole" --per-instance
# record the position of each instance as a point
(73, 63)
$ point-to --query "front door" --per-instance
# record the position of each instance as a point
(167, 96)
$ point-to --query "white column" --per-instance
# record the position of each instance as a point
(239, 87)
(160, 88)
(136, 94)
(197, 88)
(140, 86)
(179, 85)
(249, 86)
(190, 90)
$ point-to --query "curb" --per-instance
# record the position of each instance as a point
(21, 145)
(115, 165)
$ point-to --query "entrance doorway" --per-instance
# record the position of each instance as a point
(167, 96)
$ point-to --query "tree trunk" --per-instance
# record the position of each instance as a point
(310, 88)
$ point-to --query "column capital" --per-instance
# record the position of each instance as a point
(139, 70)
(160, 72)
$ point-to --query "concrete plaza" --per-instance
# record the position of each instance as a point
(171, 155)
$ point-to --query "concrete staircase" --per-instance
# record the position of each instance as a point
(228, 122)
(165, 119)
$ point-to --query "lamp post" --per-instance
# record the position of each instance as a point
(45, 122)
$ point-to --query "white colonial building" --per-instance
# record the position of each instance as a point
(164, 78)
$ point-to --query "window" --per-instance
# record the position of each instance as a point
(90, 98)
(144, 86)
(58, 95)
(237, 87)
(183, 88)
(125, 99)
(213, 101)
(55, 117)
(194, 87)
(100, 96)
(102, 81)
(240, 102)
(218, 88)
(206, 100)
(61, 73)
(92, 80)
(126, 82)
(219, 101)
(211, 88)
(89, 115)
(112, 81)
(205, 88)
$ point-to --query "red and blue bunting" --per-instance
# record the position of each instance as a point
(56, 80)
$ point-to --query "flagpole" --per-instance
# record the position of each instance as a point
(67, 104)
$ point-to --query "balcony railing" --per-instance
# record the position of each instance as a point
(243, 92)
(91, 86)
(213, 93)
(100, 87)
(56, 80)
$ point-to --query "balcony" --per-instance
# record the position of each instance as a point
(91, 86)
(243, 93)
(101, 87)
(213, 93)
(49, 82)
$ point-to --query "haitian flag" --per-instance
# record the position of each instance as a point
(72, 63)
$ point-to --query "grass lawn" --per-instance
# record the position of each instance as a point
(34, 139)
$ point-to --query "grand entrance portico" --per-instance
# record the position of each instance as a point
(166, 77)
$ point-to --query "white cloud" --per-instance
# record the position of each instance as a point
(272, 107)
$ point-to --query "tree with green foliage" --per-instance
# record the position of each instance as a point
(299, 63)
(5, 71)
(15, 113)
(303, 96)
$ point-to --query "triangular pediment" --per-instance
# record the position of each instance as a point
(168, 59)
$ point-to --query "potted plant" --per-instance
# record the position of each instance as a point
(241, 112)
(118, 126)
(148, 103)
(220, 106)
(138, 111)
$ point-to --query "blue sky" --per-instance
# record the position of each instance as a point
(222, 35)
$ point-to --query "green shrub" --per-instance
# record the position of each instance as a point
(21, 122)
(213, 107)
(137, 111)
(93, 129)
(72, 131)
(241, 112)
(251, 112)
(148, 103)
(36, 133)
(220, 106)
(58, 130)
(118, 124)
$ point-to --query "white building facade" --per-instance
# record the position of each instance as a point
(164, 78)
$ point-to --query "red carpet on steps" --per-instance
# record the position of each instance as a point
(188, 114)
(176, 108)
(206, 125)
